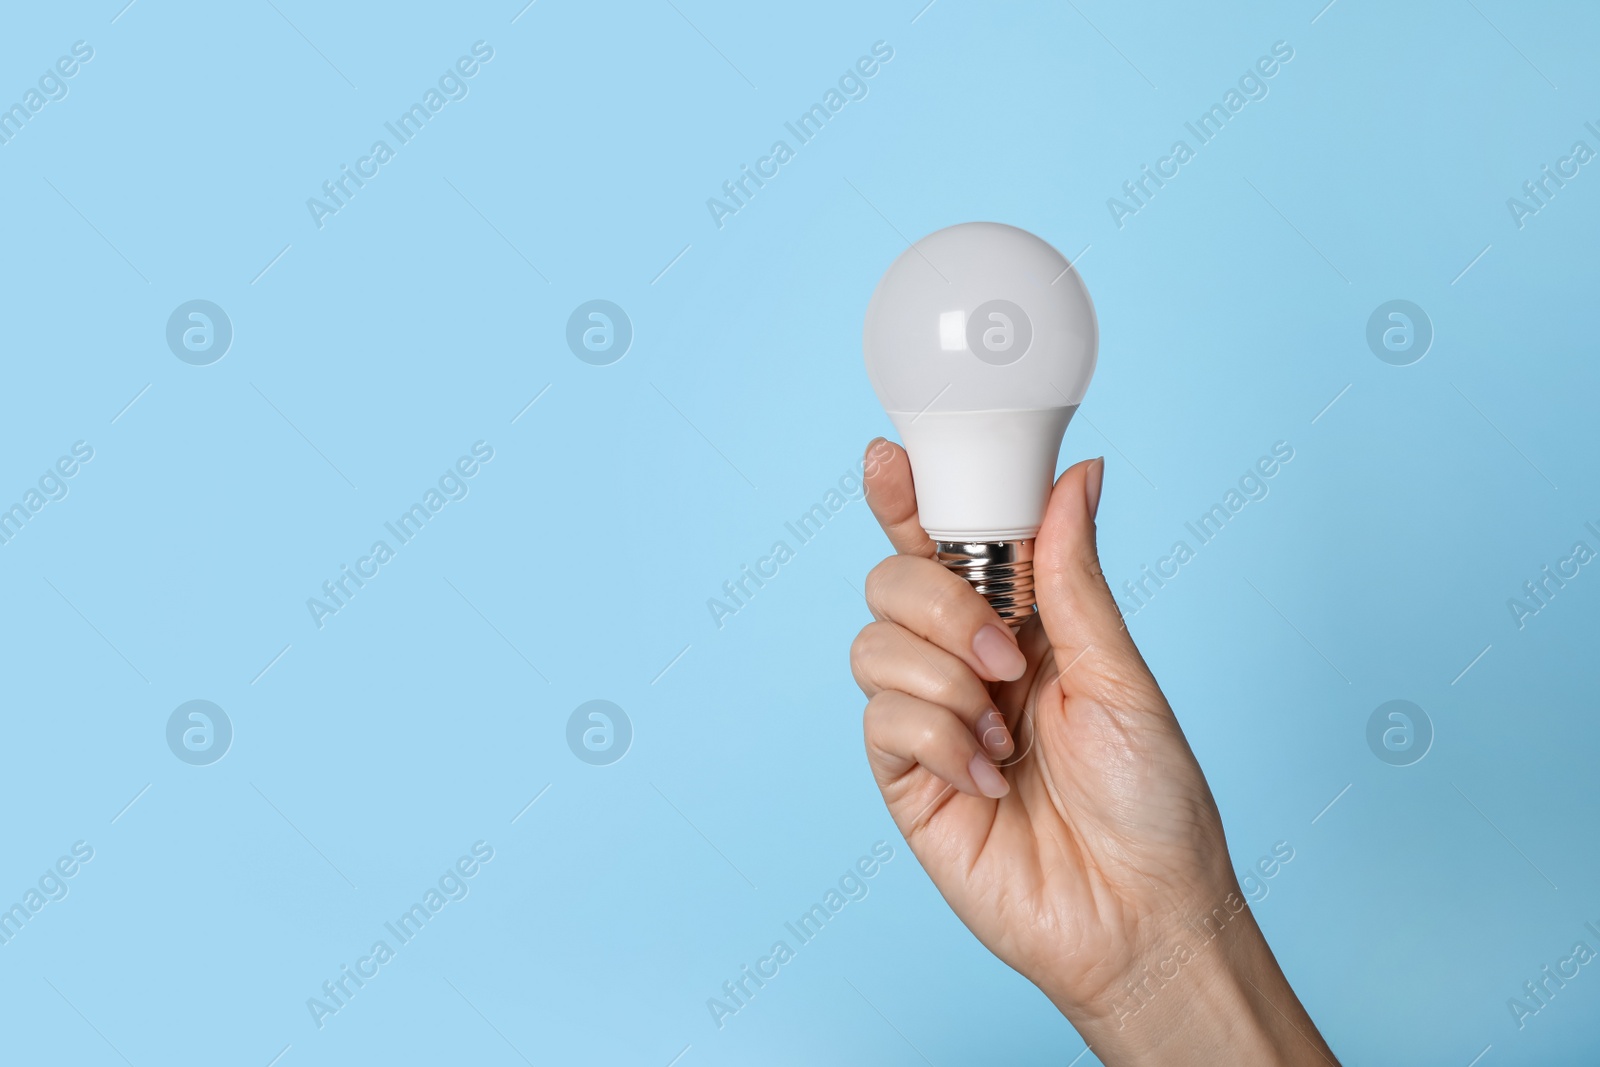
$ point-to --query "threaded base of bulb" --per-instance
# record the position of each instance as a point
(1002, 571)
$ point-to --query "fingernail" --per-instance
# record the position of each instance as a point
(1096, 475)
(990, 782)
(999, 654)
(994, 735)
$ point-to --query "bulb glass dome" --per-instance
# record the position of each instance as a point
(980, 341)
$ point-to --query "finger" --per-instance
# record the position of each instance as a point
(1085, 628)
(886, 656)
(886, 472)
(904, 732)
(930, 601)
(1035, 645)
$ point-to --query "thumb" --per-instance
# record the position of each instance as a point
(1093, 649)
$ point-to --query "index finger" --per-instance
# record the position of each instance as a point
(893, 498)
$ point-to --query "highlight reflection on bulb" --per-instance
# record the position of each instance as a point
(980, 341)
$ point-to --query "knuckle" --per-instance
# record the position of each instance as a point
(949, 691)
(860, 648)
(866, 653)
(948, 604)
(875, 717)
(877, 583)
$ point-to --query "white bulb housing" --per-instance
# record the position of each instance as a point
(980, 341)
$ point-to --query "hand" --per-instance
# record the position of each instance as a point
(1092, 858)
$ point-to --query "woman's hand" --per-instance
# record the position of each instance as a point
(1046, 787)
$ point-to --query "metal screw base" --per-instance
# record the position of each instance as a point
(1000, 570)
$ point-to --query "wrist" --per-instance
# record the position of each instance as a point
(1208, 990)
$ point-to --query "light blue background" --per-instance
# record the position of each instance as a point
(423, 718)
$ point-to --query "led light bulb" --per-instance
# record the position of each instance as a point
(980, 341)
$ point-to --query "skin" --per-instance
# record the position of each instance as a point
(1092, 858)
